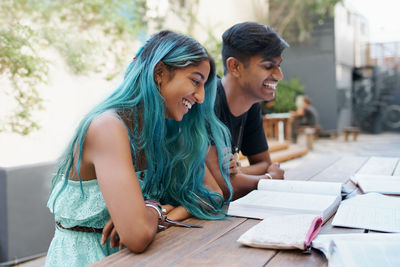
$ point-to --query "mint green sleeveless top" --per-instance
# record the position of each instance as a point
(72, 208)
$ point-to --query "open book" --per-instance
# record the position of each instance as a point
(359, 249)
(384, 184)
(371, 211)
(283, 197)
(283, 232)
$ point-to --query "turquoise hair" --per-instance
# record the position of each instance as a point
(175, 151)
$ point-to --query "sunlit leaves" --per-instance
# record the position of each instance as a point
(91, 35)
(294, 19)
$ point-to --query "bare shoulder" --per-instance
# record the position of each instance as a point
(106, 128)
(105, 120)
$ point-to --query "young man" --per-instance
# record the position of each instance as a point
(251, 55)
(306, 113)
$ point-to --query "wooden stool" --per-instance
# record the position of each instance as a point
(309, 132)
(351, 130)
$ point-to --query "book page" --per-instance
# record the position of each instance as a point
(260, 203)
(359, 249)
(379, 165)
(371, 211)
(384, 184)
(309, 187)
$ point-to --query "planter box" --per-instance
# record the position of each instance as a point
(26, 225)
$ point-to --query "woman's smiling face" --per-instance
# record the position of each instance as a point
(182, 88)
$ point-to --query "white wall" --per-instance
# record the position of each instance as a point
(67, 98)
(219, 16)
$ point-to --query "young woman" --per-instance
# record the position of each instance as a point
(143, 145)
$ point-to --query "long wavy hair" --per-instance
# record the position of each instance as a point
(174, 151)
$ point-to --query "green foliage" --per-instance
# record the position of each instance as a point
(187, 13)
(77, 52)
(91, 35)
(24, 70)
(213, 45)
(286, 93)
(294, 20)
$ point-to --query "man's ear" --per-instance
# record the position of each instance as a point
(234, 66)
(159, 71)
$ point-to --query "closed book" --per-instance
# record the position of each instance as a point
(283, 232)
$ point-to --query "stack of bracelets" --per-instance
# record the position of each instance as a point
(157, 206)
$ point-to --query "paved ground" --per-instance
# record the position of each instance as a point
(383, 145)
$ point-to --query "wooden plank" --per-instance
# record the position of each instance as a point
(297, 258)
(225, 251)
(341, 170)
(291, 153)
(274, 146)
(379, 165)
(310, 167)
(171, 244)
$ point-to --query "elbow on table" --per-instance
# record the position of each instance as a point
(139, 241)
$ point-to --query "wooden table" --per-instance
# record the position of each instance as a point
(272, 129)
(215, 244)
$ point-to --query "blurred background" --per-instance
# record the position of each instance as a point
(59, 58)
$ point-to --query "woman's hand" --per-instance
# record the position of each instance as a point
(176, 213)
(110, 231)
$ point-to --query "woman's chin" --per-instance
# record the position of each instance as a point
(175, 118)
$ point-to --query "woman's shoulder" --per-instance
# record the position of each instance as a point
(107, 118)
(106, 126)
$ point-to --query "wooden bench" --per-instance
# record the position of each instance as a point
(310, 133)
(278, 126)
(350, 130)
(274, 146)
(279, 152)
(292, 152)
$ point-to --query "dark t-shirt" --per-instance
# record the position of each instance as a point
(310, 117)
(253, 139)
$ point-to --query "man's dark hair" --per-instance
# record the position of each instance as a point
(307, 100)
(248, 39)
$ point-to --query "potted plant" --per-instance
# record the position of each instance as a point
(285, 97)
